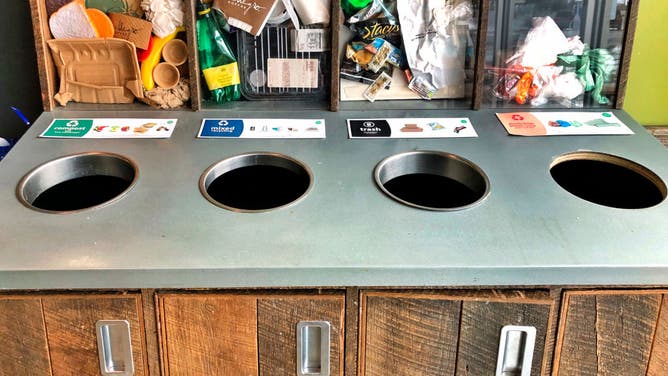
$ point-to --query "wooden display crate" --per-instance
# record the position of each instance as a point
(49, 80)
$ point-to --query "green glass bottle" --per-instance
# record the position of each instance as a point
(217, 62)
(350, 7)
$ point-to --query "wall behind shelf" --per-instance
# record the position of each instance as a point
(647, 89)
(19, 83)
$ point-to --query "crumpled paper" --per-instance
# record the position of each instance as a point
(165, 15)
(175, 97)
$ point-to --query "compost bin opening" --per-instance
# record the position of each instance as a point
(608, 180)
(432, 180)
(256, 182)
(77, 182)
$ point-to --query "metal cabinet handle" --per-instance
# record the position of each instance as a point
(516, 351)
(114, 347)
(313, 345)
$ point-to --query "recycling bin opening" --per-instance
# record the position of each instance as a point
(608, 180)
(256, 182)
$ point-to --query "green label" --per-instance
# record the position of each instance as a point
(69, 128)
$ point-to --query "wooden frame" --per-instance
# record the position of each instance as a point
(48, 75)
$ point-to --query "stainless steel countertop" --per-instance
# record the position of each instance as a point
(529, 231)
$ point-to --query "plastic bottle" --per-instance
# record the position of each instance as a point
(217, 62)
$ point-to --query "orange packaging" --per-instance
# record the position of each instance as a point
(101, 23)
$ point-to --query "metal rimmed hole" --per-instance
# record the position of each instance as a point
(608, 180)
(432, 180)
(77, 182)
(256, 182)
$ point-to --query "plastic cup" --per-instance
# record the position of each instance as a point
(166, 75)
(175, 52)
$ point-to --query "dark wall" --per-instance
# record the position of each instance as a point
(19, 83)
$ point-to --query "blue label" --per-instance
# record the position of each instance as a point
(222, 128)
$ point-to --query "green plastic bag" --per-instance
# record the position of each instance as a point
(594, 68)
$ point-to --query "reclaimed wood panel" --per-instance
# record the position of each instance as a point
(23, 347)
(578, 350)
(151, 328)
(209, 334)
(352, 333)
(45, 66)
(481, 50)
(661, 133)
(658, 361)
(607, 333)
(70, 327)
(406, 336)
(627, 48)
(481, 324)
(277, 319)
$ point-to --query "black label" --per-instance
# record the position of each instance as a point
(369, 128)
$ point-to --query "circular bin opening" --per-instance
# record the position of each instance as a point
(608, 180)
(256, 182)
(432, 180)
(77, 182)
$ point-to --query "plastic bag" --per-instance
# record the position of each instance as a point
(434, 41)
(544, 42)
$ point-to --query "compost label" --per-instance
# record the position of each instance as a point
(110, 128)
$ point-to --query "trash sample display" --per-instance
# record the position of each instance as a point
(425, 47)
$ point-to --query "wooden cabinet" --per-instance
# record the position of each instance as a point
(613, 333)
(446, 333)
(24, 350)
(56, 334)
(235, 334)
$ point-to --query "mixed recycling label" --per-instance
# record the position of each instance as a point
(262, 128)
(411, 128)
(110, 128)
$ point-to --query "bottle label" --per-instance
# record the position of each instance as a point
(222, 76)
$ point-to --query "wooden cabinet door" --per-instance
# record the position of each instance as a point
(441, 333)
(242, 335)
(70, 329)
(23, 347)
(613, 333)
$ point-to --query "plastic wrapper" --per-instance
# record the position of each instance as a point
(544, 42)
(377, 9)
(435, 40)
(368, 31)
(354, 72)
